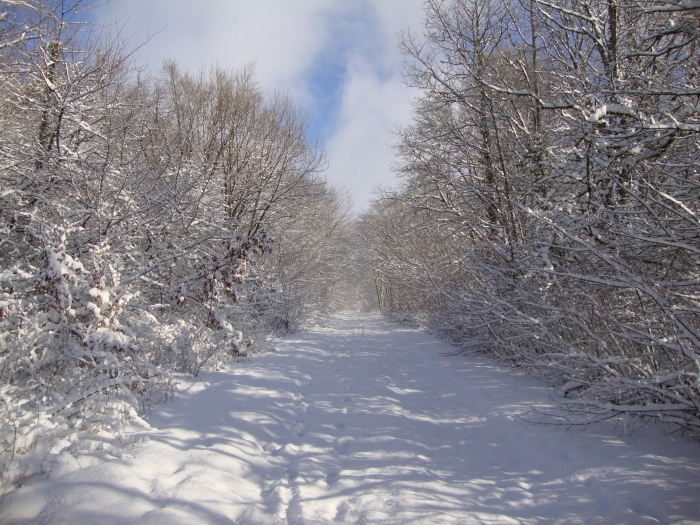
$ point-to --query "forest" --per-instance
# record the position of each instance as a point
(151, 225)
(156, 224)
(548, 210)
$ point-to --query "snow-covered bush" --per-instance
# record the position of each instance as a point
(73, 375)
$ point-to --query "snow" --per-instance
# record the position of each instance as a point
(360, 421)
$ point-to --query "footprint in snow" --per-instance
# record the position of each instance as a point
(332, 477)
(342, 447)
(341, 511)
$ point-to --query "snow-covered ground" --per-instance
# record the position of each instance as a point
(364, 422)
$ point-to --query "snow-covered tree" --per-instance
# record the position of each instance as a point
(555, 150)
(135, 213)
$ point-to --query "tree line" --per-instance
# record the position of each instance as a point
(549, 205)
(150, 225)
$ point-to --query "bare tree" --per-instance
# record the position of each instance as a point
(136, 214)
(555, 148)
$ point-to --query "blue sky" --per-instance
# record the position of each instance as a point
(337, 58)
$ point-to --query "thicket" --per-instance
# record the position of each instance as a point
(548, 212)
(149, 226)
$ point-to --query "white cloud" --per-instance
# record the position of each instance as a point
(281, 37)
(374, 101)
(359, 151)
(287, 40)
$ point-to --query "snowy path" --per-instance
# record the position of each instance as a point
(363, 422)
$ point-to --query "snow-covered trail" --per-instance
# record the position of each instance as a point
(364, 422)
